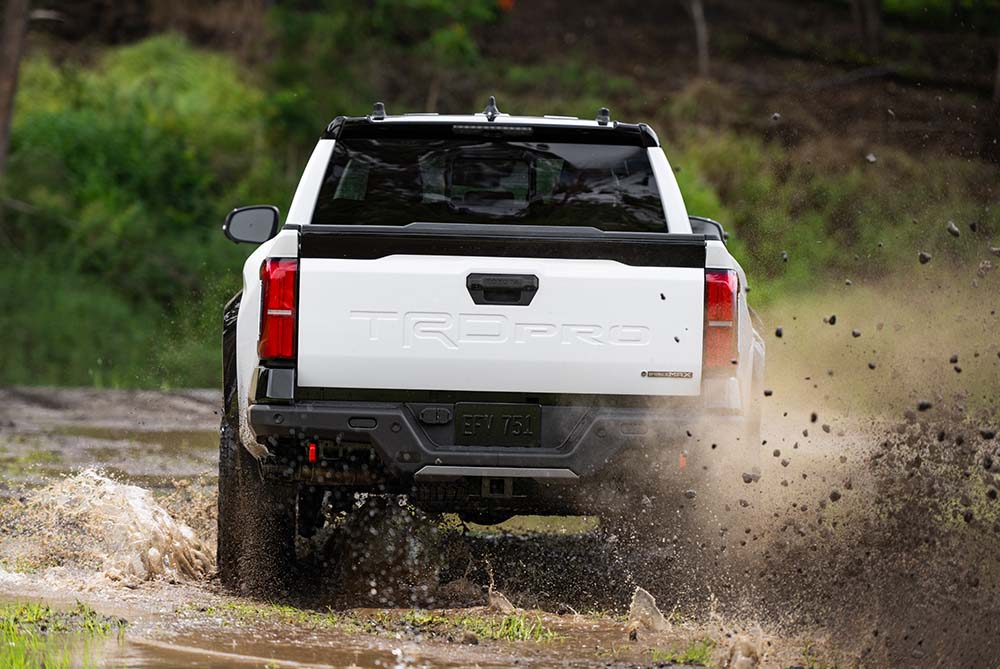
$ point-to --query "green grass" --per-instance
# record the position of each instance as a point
(36, 636)
(21, 464)
(515, 627)
(512, 627)
(697, 652)
(264, 612)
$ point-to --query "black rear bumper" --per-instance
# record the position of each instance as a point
(415, 441)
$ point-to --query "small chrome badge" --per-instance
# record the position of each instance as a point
(669, 375)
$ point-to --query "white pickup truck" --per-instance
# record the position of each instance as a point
(490, 314)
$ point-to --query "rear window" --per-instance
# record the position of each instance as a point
(397, 181)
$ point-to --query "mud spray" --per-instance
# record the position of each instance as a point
(89, 529)
(868, 534)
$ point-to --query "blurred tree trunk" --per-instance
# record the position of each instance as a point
(12, 34)
(867, 16)
(701, 35)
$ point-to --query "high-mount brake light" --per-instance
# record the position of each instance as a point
(278, 277)
(721, 336)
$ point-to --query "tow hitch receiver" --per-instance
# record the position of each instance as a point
(498, 488)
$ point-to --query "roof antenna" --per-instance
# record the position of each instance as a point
(378, 111)
(603, 116)
(491, 110)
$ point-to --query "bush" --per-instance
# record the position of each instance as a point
(122, 175)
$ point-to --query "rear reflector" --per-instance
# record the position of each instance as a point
(721, 290)
(277, 314)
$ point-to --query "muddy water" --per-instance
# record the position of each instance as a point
(862, 542)
(110, 500)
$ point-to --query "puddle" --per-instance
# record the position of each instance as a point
(227, 633)
(152, 459)
(168, 442)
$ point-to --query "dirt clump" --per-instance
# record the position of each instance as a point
(644, 615)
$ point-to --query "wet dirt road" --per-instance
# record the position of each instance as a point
(861, 543)
(166, 443)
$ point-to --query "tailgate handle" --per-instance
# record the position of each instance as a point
(516, 289)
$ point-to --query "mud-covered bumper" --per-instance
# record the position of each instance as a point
(416, 440)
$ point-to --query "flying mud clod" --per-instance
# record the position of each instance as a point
(643, 615)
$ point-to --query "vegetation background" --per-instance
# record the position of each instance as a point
(834, 139)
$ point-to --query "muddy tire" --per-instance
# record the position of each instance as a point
(256, 552)
(228, 548)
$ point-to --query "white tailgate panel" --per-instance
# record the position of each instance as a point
(408, 322)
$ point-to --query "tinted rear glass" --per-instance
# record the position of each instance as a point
(397, 181)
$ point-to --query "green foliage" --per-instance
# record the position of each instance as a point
(64, 327)
(834, 215)
(982, 15)
(121, 171)
(341, 50)
(698, 653)
(569, 85)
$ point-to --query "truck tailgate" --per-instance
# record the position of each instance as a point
(400, 312)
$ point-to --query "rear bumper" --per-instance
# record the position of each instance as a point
(414, 441)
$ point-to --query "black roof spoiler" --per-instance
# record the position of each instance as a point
(629, 133)
(490, 116)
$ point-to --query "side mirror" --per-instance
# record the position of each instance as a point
(252, 225)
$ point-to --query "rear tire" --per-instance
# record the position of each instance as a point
(228, 547)
(256, 550)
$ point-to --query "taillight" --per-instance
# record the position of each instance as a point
(277, 314)
(721, 290)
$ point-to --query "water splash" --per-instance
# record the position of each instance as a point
(92, 523)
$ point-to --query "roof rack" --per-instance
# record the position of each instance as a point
(491, 111)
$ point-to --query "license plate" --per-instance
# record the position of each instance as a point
(498, 424)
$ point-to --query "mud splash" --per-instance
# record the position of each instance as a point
(89, 524)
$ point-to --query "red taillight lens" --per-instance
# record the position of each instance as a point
(277, 315)
(721, 290)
